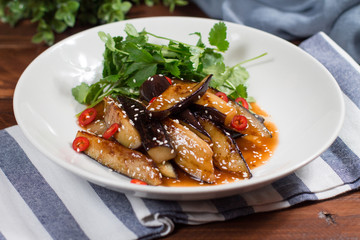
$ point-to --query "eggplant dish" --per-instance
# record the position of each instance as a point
(175, 130)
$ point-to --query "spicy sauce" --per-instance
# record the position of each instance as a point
(258, 150)
(255, 150)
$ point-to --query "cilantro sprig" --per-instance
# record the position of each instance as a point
(129, 61)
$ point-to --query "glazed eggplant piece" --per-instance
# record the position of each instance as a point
(227, 155)
(153, 87)
(256, 122)
(177, 97)
(216, 116)
(153, 136)
(121, 159)
(127, 134)
(188, 119)
(256, 125)
(167, 169)
(216, 107)
(156, 85)
(208, 112)
(193, 155)
(222, 112)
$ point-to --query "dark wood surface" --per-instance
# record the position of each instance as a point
(336, 218)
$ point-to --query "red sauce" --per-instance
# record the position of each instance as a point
(256, 151)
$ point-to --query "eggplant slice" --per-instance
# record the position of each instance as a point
(177, 97)
(153, 135)
(217, 108)
(121, 159)
(193, 155)
(153, 87)
(227, 155)
(188, 119)
(256, 125)
(209, 112)
(167, 169)
(127, 134)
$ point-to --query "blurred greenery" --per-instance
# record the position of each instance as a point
(55, 16)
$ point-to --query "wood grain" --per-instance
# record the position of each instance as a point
(337, 218)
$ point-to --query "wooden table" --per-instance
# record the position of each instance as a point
(337, 218)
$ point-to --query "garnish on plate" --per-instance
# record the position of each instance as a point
(129, 61)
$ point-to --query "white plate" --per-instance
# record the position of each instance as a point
(301, 96)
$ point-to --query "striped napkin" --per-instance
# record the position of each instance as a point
(40, 200)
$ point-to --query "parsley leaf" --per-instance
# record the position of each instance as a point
(217, 37)
(80, 92)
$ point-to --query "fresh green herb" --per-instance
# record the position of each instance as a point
(58, 15)
(129, 61)
(217, 37)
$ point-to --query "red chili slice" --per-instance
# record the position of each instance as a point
(153, 99)
(169, 80)
(243, 102)
(239, 122)
(80, 144)
(111, 131)
(87, 116)
(138, 182)
(222, 96)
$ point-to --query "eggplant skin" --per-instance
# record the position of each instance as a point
(153, 135)
(177, 97)
(215, 116)
(189, 120)
(209, 112)
(153, 87)
(121, 159)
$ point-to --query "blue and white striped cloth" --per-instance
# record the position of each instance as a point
(40, 200)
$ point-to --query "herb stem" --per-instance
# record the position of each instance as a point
(230, 84)
(252, 59)
(172, 40)
(165, 38)
(168, 49)
(122, 52)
